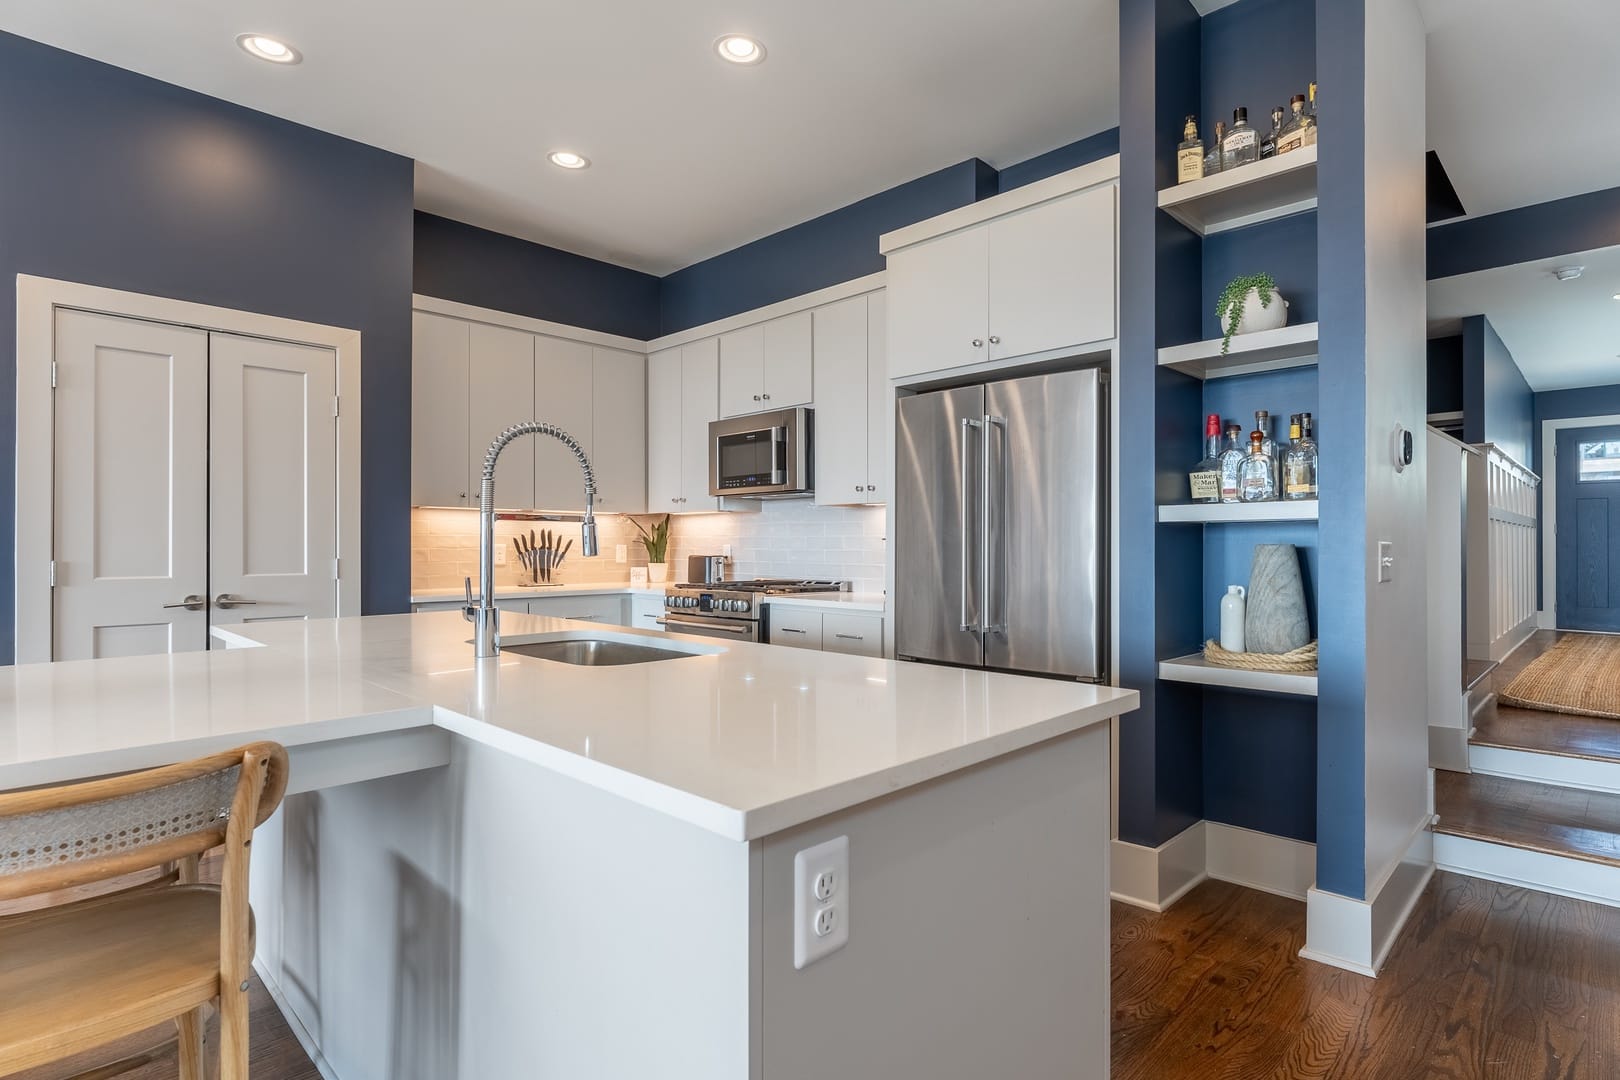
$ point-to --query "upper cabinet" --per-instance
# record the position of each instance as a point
(500, 394)
(766, 366)
(851, 394)
(1023, 274)
(682, 399)
(562, 396)
(439, 473)
(618, 447)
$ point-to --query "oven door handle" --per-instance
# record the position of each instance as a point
(729, 628)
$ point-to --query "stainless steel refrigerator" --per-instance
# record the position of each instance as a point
(999, 525)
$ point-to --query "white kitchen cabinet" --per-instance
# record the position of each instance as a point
(700, 406)
(562, 396)
(500, 393)
(797, 628)
(879, 399)
(767, 365)
(646, 609)
(664, 377)
(857, 635)
(439, 472)
(618, 446)
(598, 609)
(846, 405)
(939, 303)
(1052, 275)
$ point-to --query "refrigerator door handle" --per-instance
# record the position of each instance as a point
(995, 499)
(968, 424)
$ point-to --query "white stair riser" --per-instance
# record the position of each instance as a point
(1563, 876)
(1573, 772)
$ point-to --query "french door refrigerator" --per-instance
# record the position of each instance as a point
(999, 525)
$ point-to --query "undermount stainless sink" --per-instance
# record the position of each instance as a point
(593, 652)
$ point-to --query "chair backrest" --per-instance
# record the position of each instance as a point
(63, 837)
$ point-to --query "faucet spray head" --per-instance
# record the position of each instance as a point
(587, 539)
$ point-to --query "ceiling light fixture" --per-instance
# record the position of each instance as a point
(1569, 273)
(739, 49)
(268, 48)
(567, 159)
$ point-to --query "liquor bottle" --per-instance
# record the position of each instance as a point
(1205, 478)
(1299, 464)
(1293, 132)
(1262, 424)
(1242, 143)
(1310, 119)
(1256, 482)
(1212, 160)
(1232, 465)
(1268, 145)
(1190, 154)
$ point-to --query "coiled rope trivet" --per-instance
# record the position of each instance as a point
(1299, 661)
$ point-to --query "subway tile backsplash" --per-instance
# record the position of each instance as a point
(787, 538)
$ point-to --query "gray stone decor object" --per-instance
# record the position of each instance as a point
(1276, 620)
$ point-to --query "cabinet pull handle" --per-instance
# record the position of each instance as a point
(851, 637)
(791, 630)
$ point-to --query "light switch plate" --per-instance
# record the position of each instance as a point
(1386, 561)
(820, 901)
(621, 553)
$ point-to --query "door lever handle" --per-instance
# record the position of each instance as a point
(190, 603)
(226, 600)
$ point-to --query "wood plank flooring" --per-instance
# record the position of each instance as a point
(1532, 729)
(1525, 814)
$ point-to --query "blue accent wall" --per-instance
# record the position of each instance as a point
(1561, 227)
(1498, 404)
(1260, 762)
(1285, 249)
(114, 179)
(1446, 374)
(1564, 405)
(456, 261)
(1070, 156)
(1256, 54)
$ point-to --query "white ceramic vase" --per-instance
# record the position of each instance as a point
(657, 573)
(1257, 318)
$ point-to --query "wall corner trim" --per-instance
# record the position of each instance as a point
(1356, 935)
(1155, 878)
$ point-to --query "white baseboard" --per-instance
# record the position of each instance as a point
(1357, 934)
(1448, 748)
(1598, 883)
(1546, 620)
(311, 1049)
(1576, 772)
(1155, 878)
(1257, 860)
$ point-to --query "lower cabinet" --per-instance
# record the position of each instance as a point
(647, 611)
(828, 631)
(597, 609)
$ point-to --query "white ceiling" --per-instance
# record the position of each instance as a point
(1562, 334)
(1521, 98)
(691, 156)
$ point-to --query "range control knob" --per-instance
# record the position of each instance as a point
(744, 605)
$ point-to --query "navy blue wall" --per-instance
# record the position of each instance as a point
(1564, 405)
(1071, 156)
(1498, 405)
(1446, 374)
(114, 179)
(1579, 223)
(1285, 249)
(455, 261)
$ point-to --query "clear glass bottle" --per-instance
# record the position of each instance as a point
(1256, 481)
(1262, 424)
(1242, 143)
(1232, 465)
(1293, 132)
(1190, 154)
(1206, 475)
(1212, 160)
(1299, 464)
(1268, 145)
(1310, 119)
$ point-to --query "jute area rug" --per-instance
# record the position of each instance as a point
(1579, 675)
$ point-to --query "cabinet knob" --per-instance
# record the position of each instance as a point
(756, 397)
(767, 397)
(977, 343)
(871, 487)
(994, 340)
(463, 494)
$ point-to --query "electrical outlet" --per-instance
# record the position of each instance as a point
(621, 553)
(1386, 561)
(820, 901)
(725, 549)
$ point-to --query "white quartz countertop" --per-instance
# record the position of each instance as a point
(875, 602)
(520, 592)
(741, 739)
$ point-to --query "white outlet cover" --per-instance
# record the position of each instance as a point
(621, 553)
(813, 938)
(500, 554)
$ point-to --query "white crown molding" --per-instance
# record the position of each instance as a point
(472, 313)
(791, 306)
(1090, 175)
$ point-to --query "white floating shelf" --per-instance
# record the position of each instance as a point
(1266, 350)
(1247, 195)
(1194, 669)
(1217, 513)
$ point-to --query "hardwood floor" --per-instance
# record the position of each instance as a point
(1543, 732)
(1486, 981)
(1522, 813)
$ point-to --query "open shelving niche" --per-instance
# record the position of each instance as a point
(1266, 191)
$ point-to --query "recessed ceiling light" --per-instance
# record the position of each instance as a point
(268, 48)
(567, 159)
(739, 49)
(1569, 273)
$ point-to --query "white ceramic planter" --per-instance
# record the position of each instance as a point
(1257, 318)
(657, 573)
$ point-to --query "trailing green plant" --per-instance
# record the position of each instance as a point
(1229, 308)
(657, 541)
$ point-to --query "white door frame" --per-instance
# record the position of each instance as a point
(1547, 618)
(38, 298)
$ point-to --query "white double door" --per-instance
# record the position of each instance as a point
(195, 483)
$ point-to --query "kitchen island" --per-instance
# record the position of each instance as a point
(523, 868)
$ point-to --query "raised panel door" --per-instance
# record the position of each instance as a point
(789, 361)
(563, 381)
(500, 394)
(619, 423)
(440, 468)
(1052, 275)
(939, 297)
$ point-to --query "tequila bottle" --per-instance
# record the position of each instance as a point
(1206, 475)
(1299, 464)
(1293, 132)
(1190, 154)
(1212, 160)
(1310, 119)
(1242, 143)
(1232, 465)
(1256, 482)
(1268, 145)
(1262, 424)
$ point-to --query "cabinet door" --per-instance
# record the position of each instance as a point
(700, 379)
(858, 635)
(879, 403)
(619, 430)
(645, 611)
(562, 396)
(939, 303)
(596, 609)
(742, 371)
(1052, 275)
(500, 394)
(789, 361)
(665, 435)
(798, 628)
(841, 402)
(440, 471)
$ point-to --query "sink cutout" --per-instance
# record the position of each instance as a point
(584, 648)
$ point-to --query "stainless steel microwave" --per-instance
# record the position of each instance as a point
(762, 454)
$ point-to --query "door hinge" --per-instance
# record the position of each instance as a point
(53, 573)
(53, 374)
(334, 406)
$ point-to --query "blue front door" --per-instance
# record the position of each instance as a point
(1588, 512)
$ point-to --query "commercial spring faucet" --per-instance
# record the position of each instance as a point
(484, 615)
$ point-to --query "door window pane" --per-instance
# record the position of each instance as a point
(1599, 461)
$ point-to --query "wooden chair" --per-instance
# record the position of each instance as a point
(77, 975)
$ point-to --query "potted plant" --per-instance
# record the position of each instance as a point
(657, 544)
(1237, 311)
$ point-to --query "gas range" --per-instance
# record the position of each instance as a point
(731, 609)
